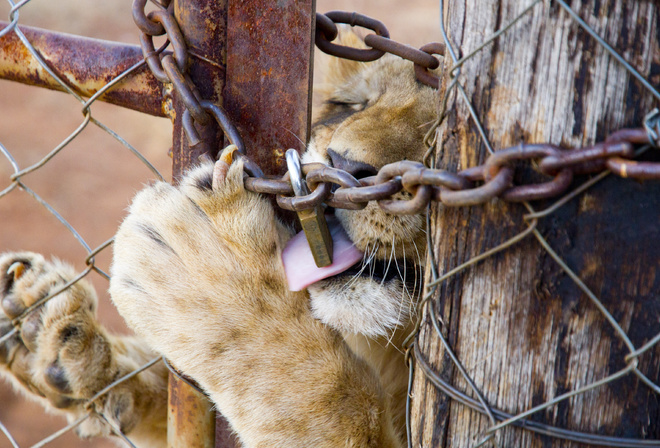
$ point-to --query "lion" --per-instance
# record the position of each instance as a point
(198, 275)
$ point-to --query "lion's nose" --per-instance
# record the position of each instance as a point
(358, 169)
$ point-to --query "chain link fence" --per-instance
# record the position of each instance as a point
(19, 175)
(69, 166)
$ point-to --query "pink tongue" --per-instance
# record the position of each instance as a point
(301, 271)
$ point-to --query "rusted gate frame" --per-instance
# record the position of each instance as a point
(86, 70)
(252, 58)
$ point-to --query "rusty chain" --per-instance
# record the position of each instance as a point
(471, 186)
(379, 43)
(326, 32)
(404, 187)
(170, 67)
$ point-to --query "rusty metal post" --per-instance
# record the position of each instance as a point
(268, 85)
(269, 76)
(203, 24)
(191, 419)
(255, 59)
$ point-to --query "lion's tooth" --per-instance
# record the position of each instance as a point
(17, 268)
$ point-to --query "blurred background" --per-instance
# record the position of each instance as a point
(91, 181)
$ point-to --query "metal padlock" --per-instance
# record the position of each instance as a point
(312, 220)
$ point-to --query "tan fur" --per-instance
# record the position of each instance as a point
(197, 274)
(63, 357)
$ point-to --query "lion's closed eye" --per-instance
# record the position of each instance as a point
(354, 105)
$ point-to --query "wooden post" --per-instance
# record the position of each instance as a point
(520, 326)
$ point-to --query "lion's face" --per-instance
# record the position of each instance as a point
(374, 114)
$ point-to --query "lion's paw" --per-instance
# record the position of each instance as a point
(196, 256)
(58, 351)
(59, 354)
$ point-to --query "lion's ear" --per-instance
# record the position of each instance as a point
(340, 69)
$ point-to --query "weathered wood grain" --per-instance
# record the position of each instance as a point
(518, 323)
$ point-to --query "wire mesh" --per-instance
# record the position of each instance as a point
(474, 396)
(41, 185)
(22, 181)
(19, 179)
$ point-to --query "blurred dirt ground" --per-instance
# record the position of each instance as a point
(91, 182)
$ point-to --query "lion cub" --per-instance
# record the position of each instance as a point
(198, 275)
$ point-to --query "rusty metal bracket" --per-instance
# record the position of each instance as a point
(85, 64)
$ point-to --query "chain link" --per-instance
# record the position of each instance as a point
(379, 43)
(403, 187)
(171, 67)
(421, 72)
(329, 27)
(417, 185)
(146, 25)
(221, 118)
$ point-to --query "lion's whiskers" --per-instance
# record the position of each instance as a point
(389, 263)
(421, 279)
(365, 264)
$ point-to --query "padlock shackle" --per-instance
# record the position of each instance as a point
(295, 173)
